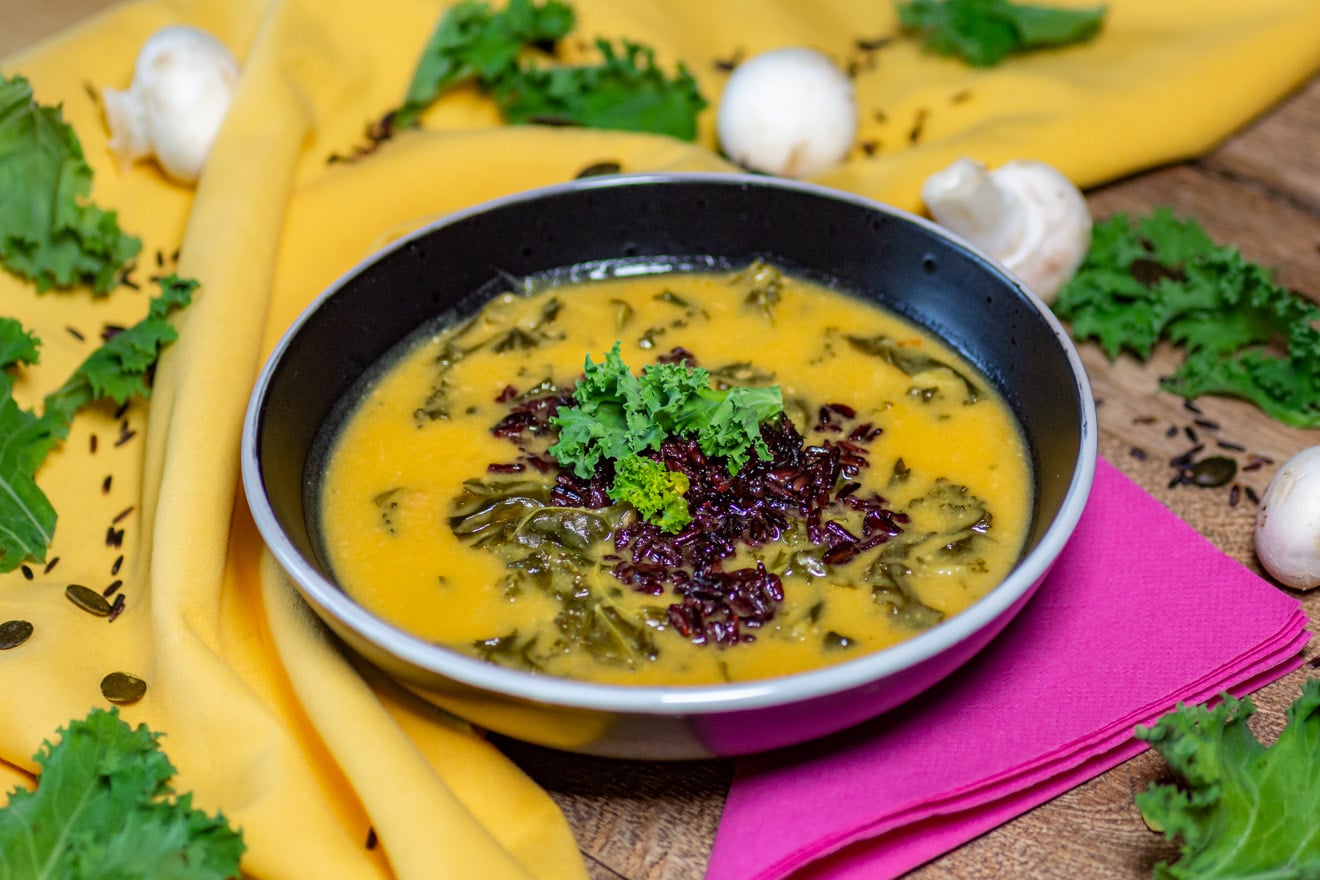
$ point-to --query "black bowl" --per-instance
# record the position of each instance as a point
(655, 223)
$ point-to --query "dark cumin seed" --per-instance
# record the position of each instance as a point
(123, 408)
(1172, 432)
(27, 572)
(1231, 447)
(371, 837)
(114, 537)
(114, 569)
(1144, 420)
(105, 485)
(91, 444)
(73, 331)
(117, 608)
(1234, 494)
(1139, 454)
(1191, 434)
(1252, 465)
(50, 565)
(918, 126)
(1251, 495)
(119, 517)
(1208, 424)
(112, 589)
(1191, 407)
(125, 437)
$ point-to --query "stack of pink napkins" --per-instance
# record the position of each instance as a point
(1140, 612)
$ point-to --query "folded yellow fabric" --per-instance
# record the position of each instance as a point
(302, 747)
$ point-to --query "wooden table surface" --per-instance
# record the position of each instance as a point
(1260, 190)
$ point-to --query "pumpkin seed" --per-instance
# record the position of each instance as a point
(121, 687)
(14, 633)
(1215, 470)
(87, 599)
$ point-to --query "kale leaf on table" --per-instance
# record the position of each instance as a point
(103, 808)
(117, 371)
(49, 232)
(1160, 278)
(984, 32)
(1243, 810)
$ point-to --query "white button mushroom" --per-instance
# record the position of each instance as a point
(182, 85)
(1025, 214)
(1287, 533)
(789, 112)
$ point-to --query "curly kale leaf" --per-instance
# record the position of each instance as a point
(655, 491)
(625, 92)
(49, 232)
(103, 808)
(1243, 810)
(116, 371)
(1159, 278)
(617, 416)
(984, 32)
(472, 42)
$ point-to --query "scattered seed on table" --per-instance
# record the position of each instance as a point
(122, 515)
(1191, 407)
(1172, 432)
(1143, 420)
(27, 572)
(123, 408)
(50, 565)
(91, 444)
(14, 633)
(1139, 454)
(121, 687)
(1234, 494)
(117, 608)
(371, 837)
(73, 331)
(1230, 446)
(1213, 471)
(125, 437)
(1191, 434)
(1206, 423)
(87, 599)
(105, 484)
(114, 569)
(113, 588)
(1251, 495)
(114, 537)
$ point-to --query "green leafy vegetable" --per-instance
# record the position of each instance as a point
(103, 808)
(473, 43)
(1162, 278)
(984, 32)
(1244, 810)
(115, 371)
(654, 490)
(625, 91)
(48, 231)
(618, 416)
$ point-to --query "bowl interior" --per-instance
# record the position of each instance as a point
(904, 263)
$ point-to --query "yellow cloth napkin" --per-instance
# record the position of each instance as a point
(264, 717)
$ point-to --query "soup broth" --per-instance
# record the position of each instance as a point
(439, 512)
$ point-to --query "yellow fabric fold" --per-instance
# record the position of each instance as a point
(265, 717)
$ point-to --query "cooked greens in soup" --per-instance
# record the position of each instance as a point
(674, 478)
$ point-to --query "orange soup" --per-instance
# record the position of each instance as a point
(892, 492)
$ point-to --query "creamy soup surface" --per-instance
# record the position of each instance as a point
(439, 524)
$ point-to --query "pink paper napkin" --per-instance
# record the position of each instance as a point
(1139, 613)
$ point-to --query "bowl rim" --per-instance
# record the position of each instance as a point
(331, 599)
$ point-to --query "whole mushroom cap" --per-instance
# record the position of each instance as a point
(790, 112)
(1287, 535)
